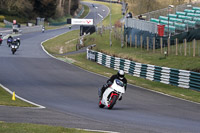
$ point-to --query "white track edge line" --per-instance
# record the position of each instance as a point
(97, 130)
(9, 91)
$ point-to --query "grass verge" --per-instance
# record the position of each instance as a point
(6, 99)
(86, 11)
(35, 128)
(63, 43)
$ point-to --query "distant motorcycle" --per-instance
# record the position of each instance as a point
(43, 29)
(1, 40)
(9, 41)
(14, 46)
(112, 94)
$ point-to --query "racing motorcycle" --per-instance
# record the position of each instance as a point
(9, 41)
(112, 94)
(14, 46)
(1, 40)
(43, 29)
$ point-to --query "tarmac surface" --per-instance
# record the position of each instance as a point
(70, 94)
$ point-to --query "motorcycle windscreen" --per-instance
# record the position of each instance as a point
(118, 86)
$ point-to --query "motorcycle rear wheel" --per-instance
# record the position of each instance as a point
(101, 105)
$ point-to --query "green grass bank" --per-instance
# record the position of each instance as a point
(35, 128)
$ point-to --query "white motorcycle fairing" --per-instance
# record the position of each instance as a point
(116, 89)
(14, 46)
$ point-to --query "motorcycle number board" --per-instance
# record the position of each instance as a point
(82, 21)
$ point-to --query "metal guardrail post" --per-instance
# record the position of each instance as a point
(176, 46)
(126, 40)
(168, 47)
(194, 47)
(185, 47)
(161, 45)
(147, 43)
(135, 41)
(154, 42)
(141, 42)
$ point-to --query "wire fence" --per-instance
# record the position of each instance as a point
(166, 47)
(156, 45)
(164, 12)
(141, 25)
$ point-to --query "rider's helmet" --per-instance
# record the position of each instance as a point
(18, 39)
(15, 41)
(120, 74)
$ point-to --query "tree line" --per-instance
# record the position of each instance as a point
(143, 6)
(38, 8)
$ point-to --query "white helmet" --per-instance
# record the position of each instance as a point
(120, 74)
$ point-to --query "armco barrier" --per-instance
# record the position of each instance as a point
(31, 29)
(180, 78)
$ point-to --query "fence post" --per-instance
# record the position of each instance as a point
(126, 40)
(141, 42)
(194, 47)
(147, 43)
(161, 45)
(119, 36)
(176, 46)
(130, 40)
(185, 47)
(115, 33)
(135, 41)
(168, 48)
(154, 43)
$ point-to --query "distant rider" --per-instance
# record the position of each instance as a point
(43, 29)
(10, 39)
(1, 38)
(120, 76)
(15, 42)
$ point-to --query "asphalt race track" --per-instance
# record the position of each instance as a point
(70, 94)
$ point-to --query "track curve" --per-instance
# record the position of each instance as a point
(70, 94)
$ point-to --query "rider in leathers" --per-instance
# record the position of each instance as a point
(120, 76)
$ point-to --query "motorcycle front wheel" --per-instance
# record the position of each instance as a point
(112, 101)
(13, 51)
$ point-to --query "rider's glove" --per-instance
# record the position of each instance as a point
(105, 85)
(109, 83)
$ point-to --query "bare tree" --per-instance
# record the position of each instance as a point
(69, 7)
